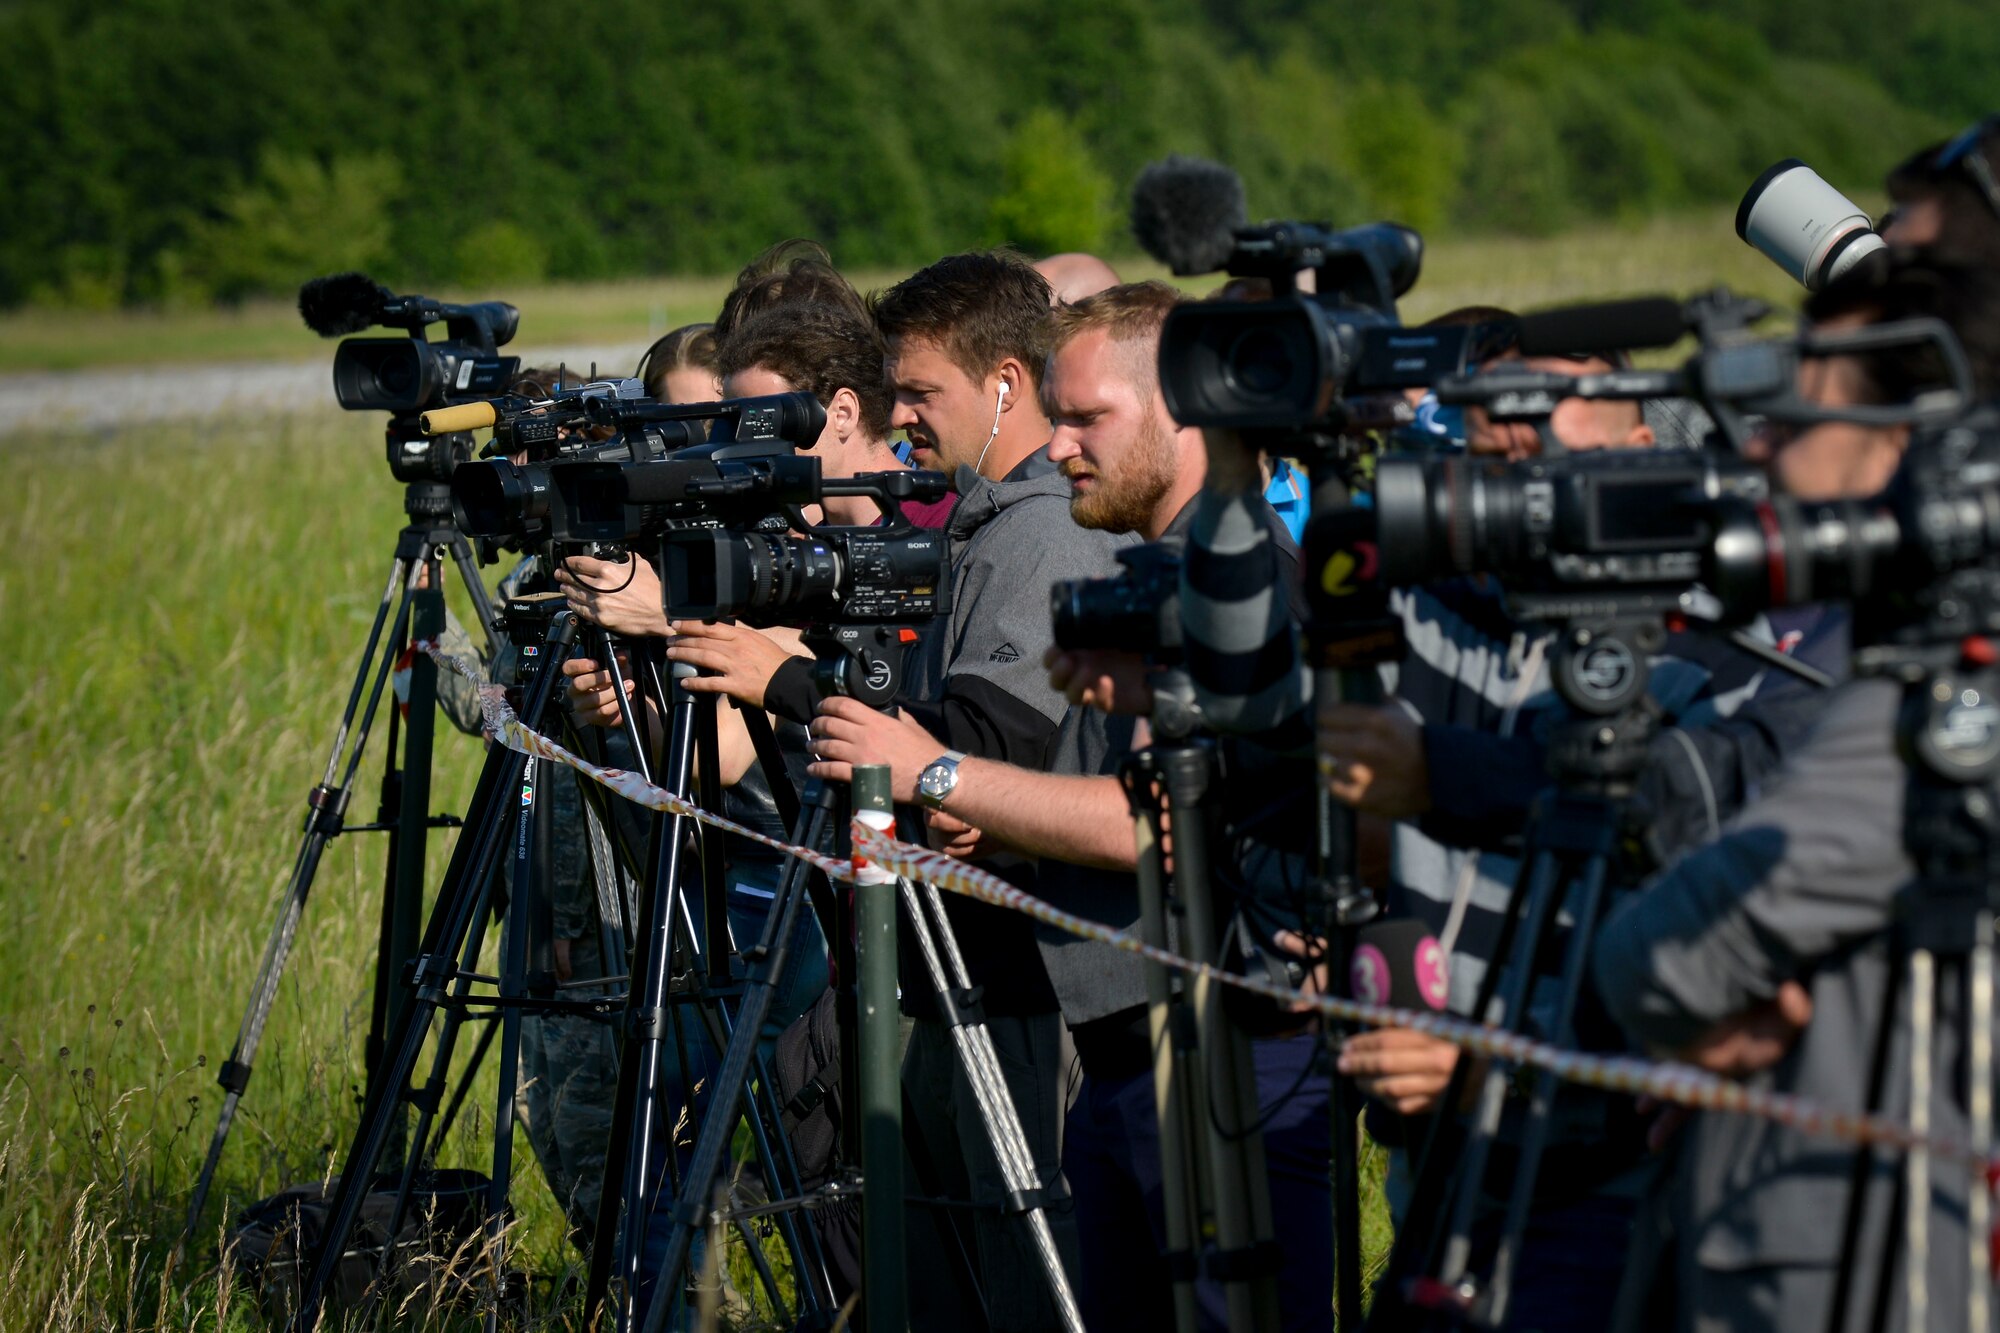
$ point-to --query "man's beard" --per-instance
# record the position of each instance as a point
(1124, 499)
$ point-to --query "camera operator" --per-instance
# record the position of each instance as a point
(680, 366)
(1947, 198)
(1133, 470)
(1456, 759)
(832, 351)
(1767, 954)
(1074, 275)
(965, 344)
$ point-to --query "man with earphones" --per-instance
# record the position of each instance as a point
(967, 338)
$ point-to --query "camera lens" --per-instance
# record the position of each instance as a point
(493, 498)
(1805, 226)
(1259, 364)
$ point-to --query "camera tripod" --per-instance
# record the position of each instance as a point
(509, 799)
(1600, 670)
(444, 975)
(865, 663)
(1942, 959)
(680, 965)
(412, 608)
(1349, 635)
(1213, 1177)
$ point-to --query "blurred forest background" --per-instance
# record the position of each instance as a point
(175, 153)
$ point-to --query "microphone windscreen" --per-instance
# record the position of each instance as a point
(1613, 326)
(1184, 211)
(1398, 962)
(342, 303)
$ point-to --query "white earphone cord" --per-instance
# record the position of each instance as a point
(999, 400)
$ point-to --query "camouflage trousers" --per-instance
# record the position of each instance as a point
(569, 1084)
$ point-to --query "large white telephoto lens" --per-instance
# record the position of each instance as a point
(1803, 225)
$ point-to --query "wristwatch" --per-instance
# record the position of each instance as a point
(939, 779)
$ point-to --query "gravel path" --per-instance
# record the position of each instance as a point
(107, 399)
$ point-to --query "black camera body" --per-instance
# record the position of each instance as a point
(1920, 561)
(523, 625)
(1284, 364)
(405, 376)
(1136, 611)
(885, 574)
(1604, 532)
(604, 495)
(762, 572)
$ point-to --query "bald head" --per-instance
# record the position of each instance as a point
(1074, 275)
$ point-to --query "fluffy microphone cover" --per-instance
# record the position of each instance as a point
(1184, 210)
(341, 304)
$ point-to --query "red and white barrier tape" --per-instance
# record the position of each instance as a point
(1681, 1085)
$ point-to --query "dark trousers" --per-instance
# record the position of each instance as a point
(1112, 1160)
(953, 1160)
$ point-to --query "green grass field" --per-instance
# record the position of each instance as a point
(187, 608)
(183, 606)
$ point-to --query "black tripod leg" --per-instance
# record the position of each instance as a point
(636, 1130)
(326, 807)
(1454, 1256)
(1347, 1104)
(462, 905)
(1589, 906)
(406, 798)
(1415, 1249)
(475, 588)
(718, 1125)
(531, 832)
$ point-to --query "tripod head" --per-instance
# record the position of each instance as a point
(1600, 670)
(859, 660)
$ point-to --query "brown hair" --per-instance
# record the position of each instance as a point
(1965, 297)
(1131, 315)
(820, 348)
(689, 347)
(1968, 228)
(794, 270)
(980, 308)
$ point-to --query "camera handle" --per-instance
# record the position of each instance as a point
(1600, 670)
(1214, 1176)
(1948, 731)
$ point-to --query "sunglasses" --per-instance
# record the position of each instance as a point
(1962, 154)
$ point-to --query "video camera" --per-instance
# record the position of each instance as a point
(611, 493)
(1136, 611)
(1581, 533)
(1286, 363)
(403, 376)
(858, 593)
(1918, 561)
(763, 574)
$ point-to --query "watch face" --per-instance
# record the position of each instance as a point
(936, 781)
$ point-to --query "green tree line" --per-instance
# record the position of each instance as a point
(173, 151)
